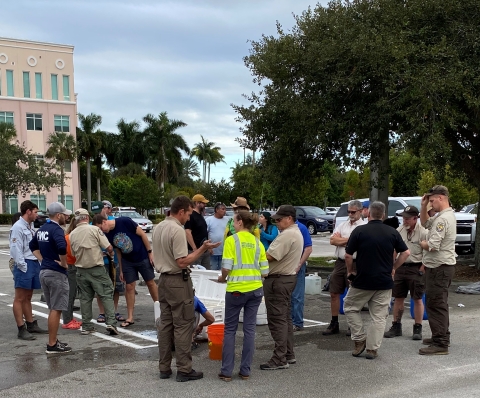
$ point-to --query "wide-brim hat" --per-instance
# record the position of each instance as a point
(240, 202)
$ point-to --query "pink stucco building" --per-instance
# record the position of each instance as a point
(37, 95)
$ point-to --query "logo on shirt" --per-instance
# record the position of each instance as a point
(43, 236)
(440, 227)
(123, 242)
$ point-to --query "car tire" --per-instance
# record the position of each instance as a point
(312, 230)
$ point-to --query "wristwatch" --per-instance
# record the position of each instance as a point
(149, 251)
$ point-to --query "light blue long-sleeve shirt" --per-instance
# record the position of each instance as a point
(21, 234)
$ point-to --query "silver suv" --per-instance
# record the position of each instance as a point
(466, 226)
(131, 212)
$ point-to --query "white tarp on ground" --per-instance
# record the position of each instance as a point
(473, 288)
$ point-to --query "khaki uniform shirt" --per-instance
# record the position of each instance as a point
(287, 250)
(345, 230)
(87, 242)
(413, 242)
(169, 242)
(442, 232)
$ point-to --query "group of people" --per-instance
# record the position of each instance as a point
(257, 260)
(92, 258)
(375, 262)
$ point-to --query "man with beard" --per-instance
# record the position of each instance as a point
(197, 231)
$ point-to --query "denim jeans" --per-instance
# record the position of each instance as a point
(250, 302)
(298, 297)
(216, 262)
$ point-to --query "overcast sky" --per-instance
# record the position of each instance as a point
(148, 56)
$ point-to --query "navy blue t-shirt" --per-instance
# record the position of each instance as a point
(374, 243)
(50, 240)
(124, 237)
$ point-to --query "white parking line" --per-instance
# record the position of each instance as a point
(5, 252)
(102, 336)
(120, 330)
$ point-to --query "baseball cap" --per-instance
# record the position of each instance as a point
(366, 204)
(107, 203)
(57, 207)
(240, 202)
(410, 211)
(285, 211)
(81, 212)
(96, 207)
(438, 190)
(199, 198)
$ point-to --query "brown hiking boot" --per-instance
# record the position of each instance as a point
(430, 342)
(433, 350)
(359, 347)
(395, 330)
(371, 354)
(333, 328)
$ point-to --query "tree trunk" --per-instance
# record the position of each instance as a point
(62, 182)
(209, 172)
(99, 193)
(89, 186)
(253, 158)
(380, 162)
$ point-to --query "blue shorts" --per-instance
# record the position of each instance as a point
(29, 280)
(131, 270)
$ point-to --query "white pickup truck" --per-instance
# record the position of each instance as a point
(466, 222)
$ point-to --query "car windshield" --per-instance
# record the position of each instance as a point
(414, 202)
(314, 211)
(131, 214)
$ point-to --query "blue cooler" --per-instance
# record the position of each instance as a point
(341, 301)
(412, 303)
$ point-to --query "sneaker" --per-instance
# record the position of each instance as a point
(371, 354)
(272, 366)
(333, 328)
(430, 342)
(165, 375)
(348, 332)
(395, 330)
(58, 349)
(297, 328)
(88, 331)
(224, 378)
(112, 330)
(64, 344)
(34, 328)
(433, 350)
(417, 332)
(181, 377)
(359, 347)
(24, 334)
(291, 361)
(71, 325)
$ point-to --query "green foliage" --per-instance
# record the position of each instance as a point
(142, 193)
(118, 187)
(20, 172)
(405, 173)
(156, 218)
(5, 219)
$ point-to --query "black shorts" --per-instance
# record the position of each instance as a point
(407, 279)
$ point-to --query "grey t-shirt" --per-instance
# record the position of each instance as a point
(216, 231)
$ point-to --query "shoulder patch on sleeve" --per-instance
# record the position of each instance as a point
(100, 232)
(440, 226)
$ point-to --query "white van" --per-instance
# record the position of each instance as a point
(465, 221)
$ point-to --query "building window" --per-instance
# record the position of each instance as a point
(34, 121)
(10, 83)
(66, 88)
(40, 201)
(26, 84)
(12, 205)
(62, 123)
(6, 117)
(68, 166)
(38, 86)
(68, 201)
(39, 158)
(54, 87)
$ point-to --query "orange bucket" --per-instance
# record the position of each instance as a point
(215, 340)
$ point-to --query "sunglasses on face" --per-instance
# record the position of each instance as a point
(352, 211)
(279, 219)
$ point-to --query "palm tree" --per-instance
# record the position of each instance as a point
(62, 148)
(215, 157)
(127, 146)
(89, 144)
(164, 146)
(190, 167)
(201, 150)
